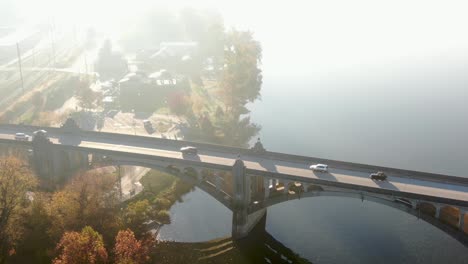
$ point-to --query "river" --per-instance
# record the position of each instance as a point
(407, 118)
(359, 100)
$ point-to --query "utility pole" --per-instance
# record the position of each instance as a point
(34, 56)
(19, 63)
(52, 38)
(86, 63)
(120, 182)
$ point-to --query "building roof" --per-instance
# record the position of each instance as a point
(108, 99)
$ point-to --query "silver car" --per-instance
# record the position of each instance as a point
(319, 167)
(21, 137)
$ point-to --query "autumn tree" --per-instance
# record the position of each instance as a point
(179, 103)
(240, 84)
(110, 63)
(15, 181)
(81, 248)
(237, 131)
(136, 214)
(37, 100)
(88, 199)
(129, 250)
(242, 77)
(86, 96)
(206, 126)
(36, 241)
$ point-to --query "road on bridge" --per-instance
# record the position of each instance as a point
(395, 182)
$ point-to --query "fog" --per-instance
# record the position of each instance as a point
(311, 35)
(340, 82)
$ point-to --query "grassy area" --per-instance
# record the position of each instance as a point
(162, 190)
(49, 96)
(162, 127)
(154, 182)
(163, 110)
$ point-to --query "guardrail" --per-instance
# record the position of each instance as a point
(93, 135)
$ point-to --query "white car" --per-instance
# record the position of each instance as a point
(189, 150)
(21, 137)
(319, 167)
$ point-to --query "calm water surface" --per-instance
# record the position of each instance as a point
(410, 117)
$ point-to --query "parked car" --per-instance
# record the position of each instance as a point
(148, 126)
(319, 167)
(378, 176)
(189, 150)
(21, 137)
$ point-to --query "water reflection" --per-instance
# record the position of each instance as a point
(317, 229)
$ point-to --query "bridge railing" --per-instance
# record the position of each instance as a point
(279, 156)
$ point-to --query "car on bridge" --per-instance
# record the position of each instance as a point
(40, 133)
(189, 150)
(21, 137)
(380, 176)
(319, 167)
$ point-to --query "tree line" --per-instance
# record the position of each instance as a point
(80, 222)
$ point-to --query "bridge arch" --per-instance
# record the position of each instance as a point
(387, 201)
(428, 208)
(188, 174)
(450, 215)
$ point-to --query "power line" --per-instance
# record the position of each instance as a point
(19, 64)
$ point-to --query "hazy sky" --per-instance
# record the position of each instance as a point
(332, 33)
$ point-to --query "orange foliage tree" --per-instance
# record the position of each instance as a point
(84, 247)
(15, 181)
(130, 250)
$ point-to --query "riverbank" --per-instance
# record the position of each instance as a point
(253, 250)
(161, 190)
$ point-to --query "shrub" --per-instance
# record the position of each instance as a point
(164, 217)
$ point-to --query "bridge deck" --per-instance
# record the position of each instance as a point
(350, 176)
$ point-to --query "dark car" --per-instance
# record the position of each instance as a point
(148, 126)
(380, 176)
(40, 133)
(188, 150)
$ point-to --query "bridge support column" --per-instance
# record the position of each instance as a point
(218, 183)
(414, 204)
(437, 212)
(461, 220)
(286, 186)
(242, 221)
(273, 183)
(266, 187)
(304, 186)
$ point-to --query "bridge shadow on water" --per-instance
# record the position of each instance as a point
(261, 247)
(258, 247)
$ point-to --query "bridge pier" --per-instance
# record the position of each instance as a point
(286, 186)
(461, 220)
(242, 221)
(273, 183)
(54, 163)
(437, 212)
(266, 187)
(218, 182)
